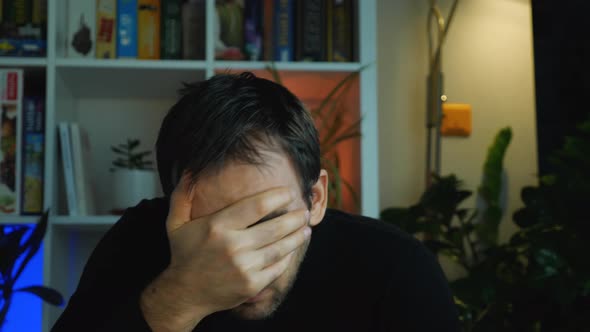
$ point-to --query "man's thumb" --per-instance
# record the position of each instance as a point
(181, 200)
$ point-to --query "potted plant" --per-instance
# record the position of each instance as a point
(16, 251)
(329, 116)
(539, 280)
(134, 177)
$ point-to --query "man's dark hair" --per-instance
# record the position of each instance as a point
(233, 118)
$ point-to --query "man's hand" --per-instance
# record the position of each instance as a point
(218, 261)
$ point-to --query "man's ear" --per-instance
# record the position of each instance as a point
(319, 199)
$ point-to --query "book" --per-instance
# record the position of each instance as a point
(342, 27)
(68, 168)
(106, 29)
(11, 95)
(33, 157)
(126, 29)
(193, 29)
(229, 33)
(253, 35)
(311, 30)
(171, 39)
(23, 28)
(267, 30)
(80, 149)
(148, 29)
(81, 28)
(284, 30)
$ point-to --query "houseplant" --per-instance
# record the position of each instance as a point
(537, 281)
(134, 176)
(16, 251)
(330, 118)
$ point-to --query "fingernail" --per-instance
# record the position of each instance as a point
(307, 231)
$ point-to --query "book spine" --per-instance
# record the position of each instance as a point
(18, 12)
(79, 176)
(81, 31)
(355, 30)
(253, 36)
(39, 12)
(171, 29)
(106, 22)
(342, 30)
(126, 29)
(11, 92)
(311, 30)
(193, 30)
(148, 29)
(33, 156)
(268, 30)
(284, 30)
(229, 44)
(68, 168)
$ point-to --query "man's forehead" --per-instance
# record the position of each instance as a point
(237, 181)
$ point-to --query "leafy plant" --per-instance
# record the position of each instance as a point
(16, 251)
(330, 119)
(128, 158)
(540, 279)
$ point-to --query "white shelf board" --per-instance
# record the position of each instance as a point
(132, 64)
(103, 222)
(18, 220)
(221, 65)
(22, 62)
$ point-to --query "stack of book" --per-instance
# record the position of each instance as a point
(76, 167)
(22, 147)
(23, 27)
(142, 29)
(287, 30)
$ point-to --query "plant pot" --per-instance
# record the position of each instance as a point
(131, 186)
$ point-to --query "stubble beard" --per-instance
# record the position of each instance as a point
(266, 309)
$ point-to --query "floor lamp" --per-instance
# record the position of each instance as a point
(435, 87)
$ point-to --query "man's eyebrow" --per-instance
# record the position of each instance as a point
(272, 215)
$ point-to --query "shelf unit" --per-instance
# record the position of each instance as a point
(114, 99)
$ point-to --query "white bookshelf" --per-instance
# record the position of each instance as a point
(115, 99)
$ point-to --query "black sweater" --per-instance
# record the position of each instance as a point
(359, 274)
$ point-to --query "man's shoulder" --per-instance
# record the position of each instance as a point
(149, 216)
(343, 224)
(360, 236)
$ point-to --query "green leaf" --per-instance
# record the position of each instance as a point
(487, 229)
(33, 243)
(10, 250)
(133, 143)
(118, 150)
(345, 81)
(47, 294)
(272, 69)
(435, 246)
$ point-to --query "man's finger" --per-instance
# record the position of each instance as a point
(271, 254)
(272, 272)
(180, 204)
(269, 232)
(251, 209)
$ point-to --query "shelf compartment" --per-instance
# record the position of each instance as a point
(95, 80)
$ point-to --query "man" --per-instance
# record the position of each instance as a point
(231, 247)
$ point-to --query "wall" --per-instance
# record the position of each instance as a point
(488, 63)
